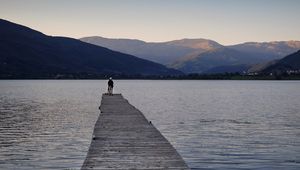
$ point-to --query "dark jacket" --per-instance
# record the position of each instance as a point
(110, 83)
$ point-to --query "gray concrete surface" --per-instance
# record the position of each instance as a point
(124, 139)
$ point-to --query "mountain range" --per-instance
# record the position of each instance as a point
(288, 64)
(164, 53)
(161, 53)
(26, 53)
(201, 55)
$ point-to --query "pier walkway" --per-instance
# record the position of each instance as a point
(124, 139)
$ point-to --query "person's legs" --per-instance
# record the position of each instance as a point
(110, 90)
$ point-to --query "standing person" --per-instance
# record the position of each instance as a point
(110, 86)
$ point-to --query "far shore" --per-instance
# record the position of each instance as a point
(226, 76)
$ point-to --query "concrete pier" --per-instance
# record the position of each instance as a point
(124, 139)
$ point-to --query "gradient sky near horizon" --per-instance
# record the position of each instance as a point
(225, 21)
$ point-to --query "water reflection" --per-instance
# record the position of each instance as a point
(45, 125)
(16, 122)
(213, 124)
(226, 124)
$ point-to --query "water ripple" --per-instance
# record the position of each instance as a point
(213, 124)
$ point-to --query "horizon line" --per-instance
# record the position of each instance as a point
(186, 38)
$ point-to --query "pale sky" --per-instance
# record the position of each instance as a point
(225, 21)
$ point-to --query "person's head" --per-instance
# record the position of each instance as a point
(110, 78)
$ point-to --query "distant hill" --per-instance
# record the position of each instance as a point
(275, 49)
(28, 53)
(288, 63)
(164, 52)
(220, 60)
(261, 66)
(187, 54)
(240, 68)
(197, 44)
(237, 58)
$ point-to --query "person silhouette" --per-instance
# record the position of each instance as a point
(110, 86)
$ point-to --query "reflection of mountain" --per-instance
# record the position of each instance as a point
(27, 53)
(289, 63)
(201, 55)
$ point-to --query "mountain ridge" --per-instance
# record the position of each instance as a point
(26, 52)
(157, 52)
(290, 63)
(188, 50)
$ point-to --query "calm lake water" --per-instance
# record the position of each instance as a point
(48, 124)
